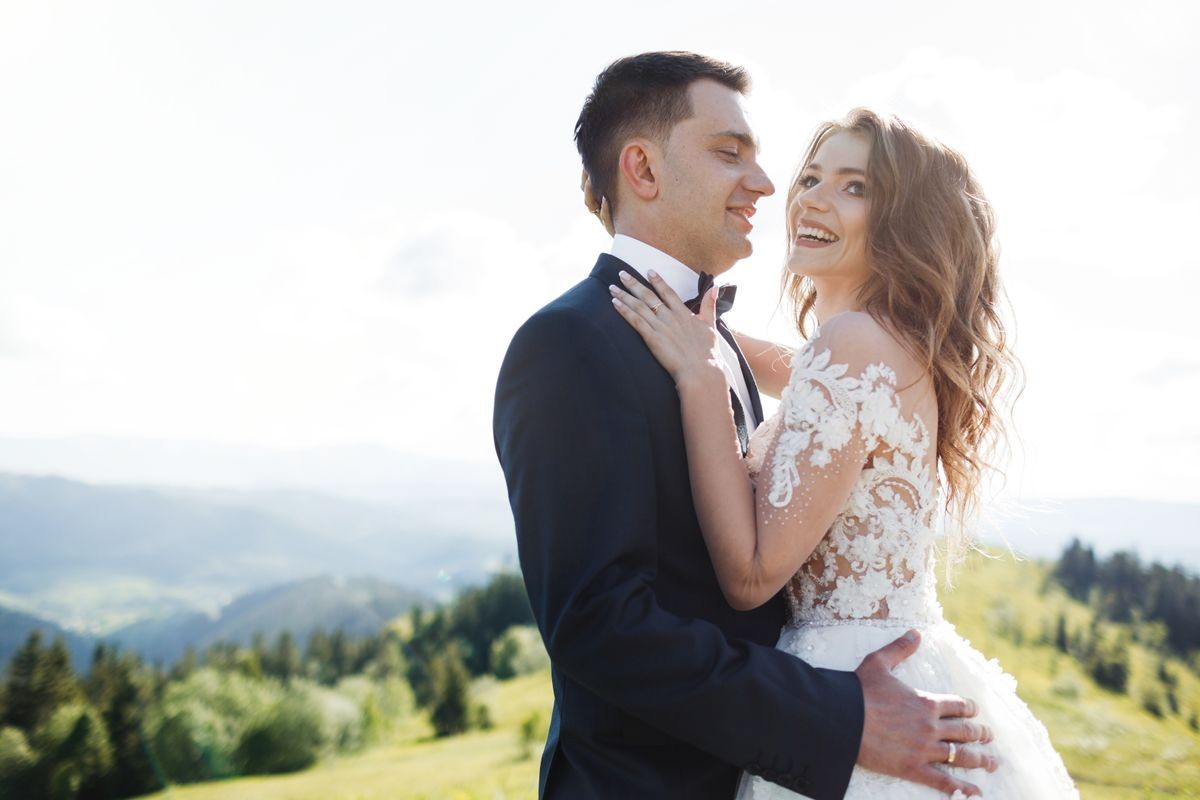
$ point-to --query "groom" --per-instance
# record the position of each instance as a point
(661, 689)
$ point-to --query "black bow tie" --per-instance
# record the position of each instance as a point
(725, 295)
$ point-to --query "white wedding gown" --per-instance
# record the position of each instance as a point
(872, 575)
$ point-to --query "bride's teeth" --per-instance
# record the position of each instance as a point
(817, 233)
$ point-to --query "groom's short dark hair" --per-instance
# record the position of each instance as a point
(642, 95)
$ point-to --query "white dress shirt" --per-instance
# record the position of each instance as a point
(682, 279)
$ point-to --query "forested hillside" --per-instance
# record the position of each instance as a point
(453, 701)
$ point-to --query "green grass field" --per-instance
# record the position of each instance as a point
(1112, 747)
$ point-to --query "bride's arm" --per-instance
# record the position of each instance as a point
(770, 362)
(756, 543)
(721, 489)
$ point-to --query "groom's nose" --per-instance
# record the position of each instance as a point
(758, 182)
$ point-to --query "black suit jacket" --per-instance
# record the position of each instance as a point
(661, 690)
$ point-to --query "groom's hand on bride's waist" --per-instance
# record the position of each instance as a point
(907, 731)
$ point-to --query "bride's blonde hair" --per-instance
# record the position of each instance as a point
(933, 282)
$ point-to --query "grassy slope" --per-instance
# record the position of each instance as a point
(1112, 747)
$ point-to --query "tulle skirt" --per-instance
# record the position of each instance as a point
(944, 663)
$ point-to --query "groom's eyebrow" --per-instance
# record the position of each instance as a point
(745, 139)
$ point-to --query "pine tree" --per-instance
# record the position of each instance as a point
(120, 688)
(318, 657)
(1076, 570)
(342, 655)
(451, 707)
(185, 666)
(389, 662)
(287, 661)
(39, 681)
(1060, 634)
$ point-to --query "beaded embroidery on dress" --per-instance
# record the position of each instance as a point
(872, 575)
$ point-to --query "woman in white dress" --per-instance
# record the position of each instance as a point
(891, 249)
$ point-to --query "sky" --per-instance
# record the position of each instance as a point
(298, 224)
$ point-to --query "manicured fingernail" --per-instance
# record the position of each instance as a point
(652, 274)
(624, 275)
(617, 302)
(612, 288)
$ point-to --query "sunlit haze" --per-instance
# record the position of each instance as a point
(300, 224)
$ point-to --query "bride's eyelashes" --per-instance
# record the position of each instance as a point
(855, 188)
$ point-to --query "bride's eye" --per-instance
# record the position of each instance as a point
(807, 181)
(857, 188)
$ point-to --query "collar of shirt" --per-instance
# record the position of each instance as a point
(643, 257)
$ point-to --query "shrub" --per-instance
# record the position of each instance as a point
(288, 739)
(17, 761)
(1107, 661)
(76, 754)
(1152, 700)
(481, 717)
(340, 719)
(530, 729)
(201, 721)
(1066, 686)
(518, 651)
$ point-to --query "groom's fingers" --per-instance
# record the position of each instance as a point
(933, 777)
(966, 757)
(893, 653)
(964, 730)
(950, 706)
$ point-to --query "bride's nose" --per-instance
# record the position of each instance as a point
(813, 198)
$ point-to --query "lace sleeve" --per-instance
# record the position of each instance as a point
(846, 487)
(831, 418)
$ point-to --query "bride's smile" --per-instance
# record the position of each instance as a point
(827, 211)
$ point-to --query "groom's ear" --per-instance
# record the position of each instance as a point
(636, 167)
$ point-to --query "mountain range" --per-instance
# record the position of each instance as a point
(169, 544)
(357, 606)
(94, 559)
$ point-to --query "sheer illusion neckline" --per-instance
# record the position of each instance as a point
(876, 561)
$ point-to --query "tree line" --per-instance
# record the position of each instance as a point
(1121, 589)
(1158, 607)
(126, 728)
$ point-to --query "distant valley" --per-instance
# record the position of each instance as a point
(172, 565)
(169, 544)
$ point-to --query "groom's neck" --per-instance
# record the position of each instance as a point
(648, 234)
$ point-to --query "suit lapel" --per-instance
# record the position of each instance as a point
(606, 269)
(751, 386)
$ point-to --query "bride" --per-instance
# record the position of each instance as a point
(891, 249)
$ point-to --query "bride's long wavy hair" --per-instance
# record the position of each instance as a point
(934, 283)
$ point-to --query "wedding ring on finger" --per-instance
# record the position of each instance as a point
(656, 308)
(953, 753)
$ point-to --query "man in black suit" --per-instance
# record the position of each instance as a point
(661, 689)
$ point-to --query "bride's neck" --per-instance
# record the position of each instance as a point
(833, 299)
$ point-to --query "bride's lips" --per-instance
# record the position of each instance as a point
(810, 233)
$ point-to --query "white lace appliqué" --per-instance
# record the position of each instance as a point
(876, 561)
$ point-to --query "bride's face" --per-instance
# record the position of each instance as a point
(827, 214)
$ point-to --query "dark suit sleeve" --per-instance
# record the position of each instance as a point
(574, 444)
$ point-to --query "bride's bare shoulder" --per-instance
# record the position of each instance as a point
(856, 338)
